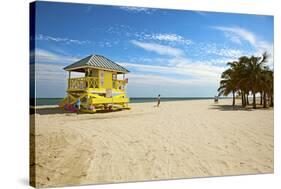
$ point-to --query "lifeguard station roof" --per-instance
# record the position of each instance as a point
(97, 62)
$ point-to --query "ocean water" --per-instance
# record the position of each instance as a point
(55, 101)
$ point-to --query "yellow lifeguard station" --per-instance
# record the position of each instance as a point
(101, 87)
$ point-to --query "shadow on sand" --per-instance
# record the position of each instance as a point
(51, 110)
(57, 110)
(230, 108)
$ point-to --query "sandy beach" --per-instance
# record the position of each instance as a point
(180, 139)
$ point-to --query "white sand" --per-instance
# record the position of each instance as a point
(181, 139)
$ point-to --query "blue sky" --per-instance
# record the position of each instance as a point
(175, 53)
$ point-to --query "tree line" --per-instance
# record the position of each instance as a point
(248, 76)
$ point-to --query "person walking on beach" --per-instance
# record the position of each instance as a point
(216, 99)
(78, 104)
(158, 100)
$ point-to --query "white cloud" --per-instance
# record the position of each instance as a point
(171, 38)
(182, 67)
(233, 38)
(179, 65)
(238, 34)
(61, 40)
(225, 52)
(160, 49)
(45, 56)
(51, 80)
(168, 38)
(157, 80)
(220, 61)
(138, 9)
(52, 73)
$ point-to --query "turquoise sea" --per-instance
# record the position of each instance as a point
(55, 101)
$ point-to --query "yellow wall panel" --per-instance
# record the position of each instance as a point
(105, 78)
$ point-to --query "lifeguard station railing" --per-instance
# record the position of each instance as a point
(119, 84)
(81, 83)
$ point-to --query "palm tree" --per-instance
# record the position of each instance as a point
(271, 86)
(239, 76)
(248, 75)
(267, 85)
(227, 85)
(254, 69)
(242, 78)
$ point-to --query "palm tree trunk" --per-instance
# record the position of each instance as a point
(247, 99)
(233, 98)
(271, 101)
(244, 103)
(254, 100)
(264, 100)
(261, 97)
(242, 99)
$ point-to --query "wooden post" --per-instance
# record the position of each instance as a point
(88, 80)
(69, 76)
(68, 86)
